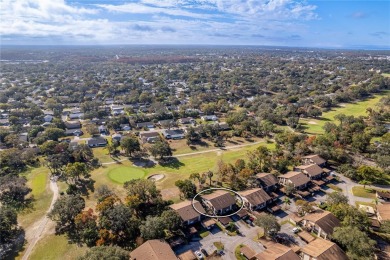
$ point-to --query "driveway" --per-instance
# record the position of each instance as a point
(230, 242)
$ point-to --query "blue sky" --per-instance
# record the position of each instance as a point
(327, 23)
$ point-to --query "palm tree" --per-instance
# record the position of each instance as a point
(287, 202)
(210, 175)
(365, 182)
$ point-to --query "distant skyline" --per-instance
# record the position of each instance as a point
(320, 24)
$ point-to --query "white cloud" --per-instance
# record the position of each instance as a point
(136, 8)
(168, 21)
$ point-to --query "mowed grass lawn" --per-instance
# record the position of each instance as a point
(123, 174)
(362, 192)
(54, 247)
(314, 126)
(38, 181)
(114, 175)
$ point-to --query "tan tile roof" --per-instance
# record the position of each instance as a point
(306, 236)
(186, 210)
(248, 252)
(322, 249)
(267, 179)
(324, 219)
(383, 194)
(384, 211)
(315, 158)
(220, 199)
(277, 252)
(311, 169)
(255, 196)
(208, 222)
(187, 255)
(297, 178)
(153, 250)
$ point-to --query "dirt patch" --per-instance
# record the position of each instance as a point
(312, 123)
(156, 177)
(171, 193)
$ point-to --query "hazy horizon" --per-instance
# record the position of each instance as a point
(290, 23)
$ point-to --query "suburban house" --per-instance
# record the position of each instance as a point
(383, 212)
(116, 137)
(313, 171)
(209, 118)
(321, 249)
(320, 222)
(153, 250)
(277, 251)
(145, 125)
(247, 252)
(186, 120)
(224, 126)
(72, 124)
(187, 212)
(117, 110)
(149, 137)
(219, 202)
(187, 255)
(125, 127)
(173, 134)
(314, 159)
(48, 112)
(75, 114)
(166, 123)
(75, 132)
(97, 142)
(298, 179)
(4, 122)
(383, 195)
(255, 199)
(267, 181)
(48, 118)
(103, 130)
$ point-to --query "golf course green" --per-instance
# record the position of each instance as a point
(124, 174)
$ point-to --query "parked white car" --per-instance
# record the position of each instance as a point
(296, 230)
(199, 255)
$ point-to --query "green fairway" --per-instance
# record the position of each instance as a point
(54, 247)
(314, 126)
(124, 174)
(37, 180)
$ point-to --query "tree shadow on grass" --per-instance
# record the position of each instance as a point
(202, 143)
(142, 162)
(171, 162)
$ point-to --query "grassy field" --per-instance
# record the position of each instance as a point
(363, 193)
(358, 203)
(102, 154)
(123, 174)
(38, 181)
(387, 75)
(54, 247)
(115, 174)
(314, 126)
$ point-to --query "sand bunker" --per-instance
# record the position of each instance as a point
(312, 123)
(156, 177)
